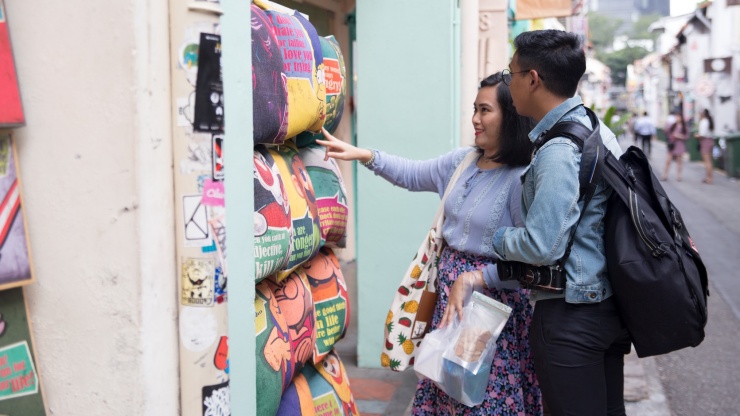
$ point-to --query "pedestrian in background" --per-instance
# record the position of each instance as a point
(645, 130)
(677, 135)
(706, 144)
(578, 338)
(487, 196)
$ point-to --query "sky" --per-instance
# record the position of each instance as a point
(679, 7)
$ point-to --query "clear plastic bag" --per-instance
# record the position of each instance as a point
(458, 358)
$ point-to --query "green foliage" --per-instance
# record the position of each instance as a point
(640, 27)
(617, 61)
(617, 126)
(602, 30)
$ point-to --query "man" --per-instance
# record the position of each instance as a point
(577, 337)
(645, 130)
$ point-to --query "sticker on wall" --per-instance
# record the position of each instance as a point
(218, 228)
(198, 282)
(216, 400)
(220, 281)
(198, 328)
(217, 157)
(195, 215)
(185, 107)
(221, 358)
(209, 89)
(213, 193)
(17, 373)
(199, 158)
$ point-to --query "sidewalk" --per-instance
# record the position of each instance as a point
(383, 392)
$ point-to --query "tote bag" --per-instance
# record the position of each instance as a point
(410, 315)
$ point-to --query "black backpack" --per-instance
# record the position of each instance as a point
(659, 280)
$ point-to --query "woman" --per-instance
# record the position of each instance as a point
(678, 133)
(706, 144)
(487, 196)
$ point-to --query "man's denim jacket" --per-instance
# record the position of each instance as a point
(550, 208)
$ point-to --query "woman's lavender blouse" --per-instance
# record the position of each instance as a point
(481, 201)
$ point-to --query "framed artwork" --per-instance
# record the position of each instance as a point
(11, 110)
(20, 383)
(15, 256)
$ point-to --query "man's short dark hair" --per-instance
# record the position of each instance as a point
(554, 54)
(515, 148)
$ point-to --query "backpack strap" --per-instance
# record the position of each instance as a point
(592, 162)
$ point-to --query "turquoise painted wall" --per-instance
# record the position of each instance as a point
(406, 106)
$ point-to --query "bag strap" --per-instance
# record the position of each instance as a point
(592, 162)
(467, 161)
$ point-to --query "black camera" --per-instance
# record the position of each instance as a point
(547, 278)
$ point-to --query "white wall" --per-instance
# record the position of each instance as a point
(95, 159)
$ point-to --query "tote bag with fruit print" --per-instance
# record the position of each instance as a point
(410, 315)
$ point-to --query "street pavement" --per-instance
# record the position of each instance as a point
(693, 381)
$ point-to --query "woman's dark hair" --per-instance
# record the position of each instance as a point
(556, 55)
(709, 117)
(514, 148)
(683, 123)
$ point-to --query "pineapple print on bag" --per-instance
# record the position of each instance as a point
(416, 272)
(413, 303)
(386, 361)
(408, 346)
(410, 307)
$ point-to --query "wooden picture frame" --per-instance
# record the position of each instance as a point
(15, 253)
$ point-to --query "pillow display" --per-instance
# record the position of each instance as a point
(272, 215)
(269, 83)
(331, 195)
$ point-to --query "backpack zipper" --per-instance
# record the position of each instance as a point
(635, 214)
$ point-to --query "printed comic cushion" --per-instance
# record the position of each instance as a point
(269, 83)
(323, 389)
(306, 235)
(330, 299)
(331, 195)
(306, 90)
(273, 224)
(335, 75)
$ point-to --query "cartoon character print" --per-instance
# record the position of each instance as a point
(296, 304)
(277, 348)
(333, 371)
(304, 187)
(271, 205)
(324, 274)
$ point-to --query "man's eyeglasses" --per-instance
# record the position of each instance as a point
(506, 75)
